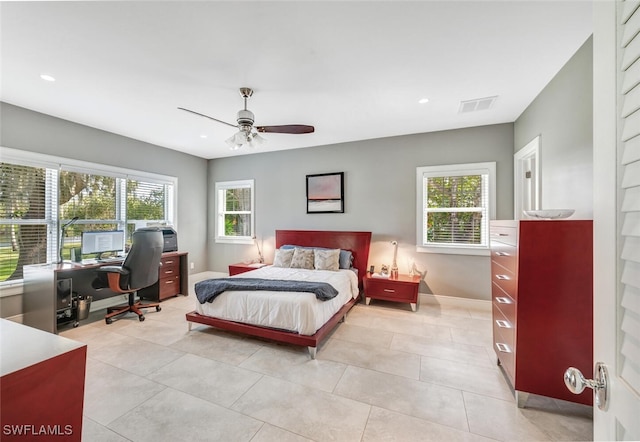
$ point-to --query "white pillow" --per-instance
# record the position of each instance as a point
(283, 257)
(302, 259)
(326, 259)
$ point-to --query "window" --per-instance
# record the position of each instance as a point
(234, 208)
(455, 204)
(39, 194)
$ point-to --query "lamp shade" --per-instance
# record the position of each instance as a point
(241, 138)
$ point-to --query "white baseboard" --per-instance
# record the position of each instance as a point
(108, 302)
(197, 277)
(454, 301)
(16, 318)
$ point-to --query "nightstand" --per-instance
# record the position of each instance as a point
(404, 288)
(236, 269)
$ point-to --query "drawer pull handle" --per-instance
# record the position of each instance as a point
(502, 300)
(502, 254)
(504, 348)
(503, 324)
(168, 272)
(389, 290)
(169, 282)
(502, 277)
(169, 262)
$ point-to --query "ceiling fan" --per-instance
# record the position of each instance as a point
(247, 132)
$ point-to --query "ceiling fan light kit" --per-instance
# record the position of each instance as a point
(242, 137)
(248, 134)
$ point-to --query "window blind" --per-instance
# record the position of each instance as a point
(27, 220)
(456, 204)
(455, 208)
(235, 201)
(39, 194)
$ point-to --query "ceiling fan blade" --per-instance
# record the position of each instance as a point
(287, 129)
(207, 116)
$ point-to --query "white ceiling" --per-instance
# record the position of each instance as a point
(354, 70)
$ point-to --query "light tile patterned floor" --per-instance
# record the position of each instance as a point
(385, 374)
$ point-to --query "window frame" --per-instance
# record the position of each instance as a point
(55, 164)
(448, 170)
(220, 188)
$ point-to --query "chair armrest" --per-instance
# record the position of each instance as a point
(112, 269)
(117, 278)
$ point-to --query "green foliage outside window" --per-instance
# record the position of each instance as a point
(93, 199)
(237, 216)
(454, 209)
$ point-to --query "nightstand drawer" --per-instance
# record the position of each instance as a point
(390, 289)
(236, 269)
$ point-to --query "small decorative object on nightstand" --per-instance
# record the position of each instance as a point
(394, 266)
(260, 257)
(404, 288)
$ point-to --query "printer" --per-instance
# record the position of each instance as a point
(170, 239)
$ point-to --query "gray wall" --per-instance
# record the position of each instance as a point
(380, 196)
(379, 178)
(562, 115)
(32, 131)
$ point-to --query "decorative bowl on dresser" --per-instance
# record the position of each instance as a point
(542, 292)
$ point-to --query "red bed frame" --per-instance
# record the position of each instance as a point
(356, 242)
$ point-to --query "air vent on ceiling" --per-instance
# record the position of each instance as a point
(477, 105)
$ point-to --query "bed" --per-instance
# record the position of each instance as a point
(303, 320)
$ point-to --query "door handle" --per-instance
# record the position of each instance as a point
(576, 383)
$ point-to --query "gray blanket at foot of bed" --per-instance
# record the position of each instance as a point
(206, 291)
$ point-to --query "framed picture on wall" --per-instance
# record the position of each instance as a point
(325, 193)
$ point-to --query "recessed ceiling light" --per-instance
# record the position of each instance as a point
(423, 100)
(203, 136)
(47, 77)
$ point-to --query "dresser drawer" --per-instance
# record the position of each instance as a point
(504, 279)
(504, 341)
(504, 303)
(504, 255)
(391, 290)
(504, 234)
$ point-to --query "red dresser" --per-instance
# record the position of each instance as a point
(542, 292)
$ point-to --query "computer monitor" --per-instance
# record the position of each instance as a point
(102, 241)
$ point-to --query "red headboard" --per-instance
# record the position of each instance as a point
(356, 242)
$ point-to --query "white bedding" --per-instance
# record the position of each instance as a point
(293, 311)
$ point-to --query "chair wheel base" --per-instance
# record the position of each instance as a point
(141, 318)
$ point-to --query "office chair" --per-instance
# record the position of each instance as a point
(139, 270)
